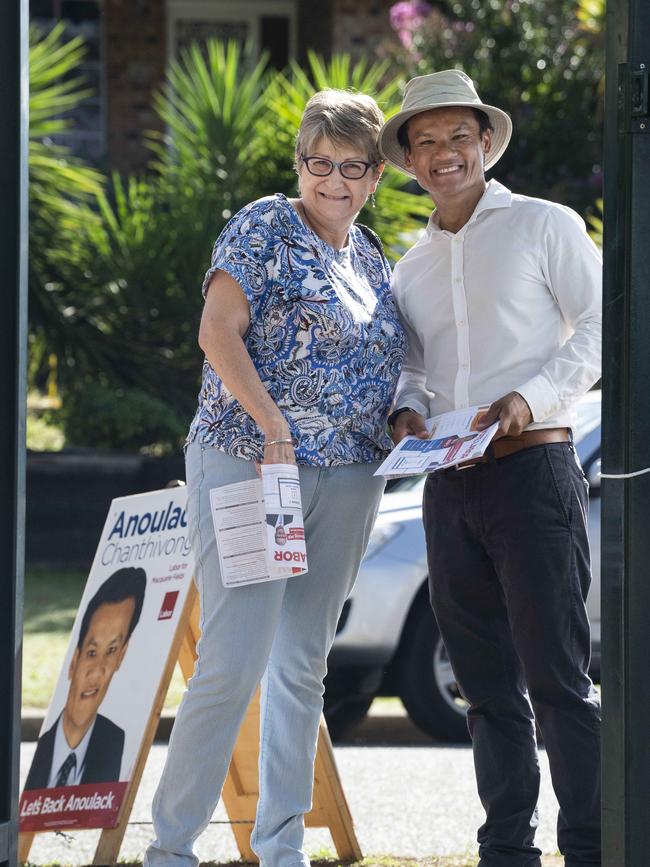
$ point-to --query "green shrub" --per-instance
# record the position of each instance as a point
(121, 418)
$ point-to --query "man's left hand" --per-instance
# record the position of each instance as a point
(512, 412)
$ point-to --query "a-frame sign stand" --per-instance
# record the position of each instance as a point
(241, 789)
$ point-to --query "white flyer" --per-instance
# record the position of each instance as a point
(259, 527)
(453, 438)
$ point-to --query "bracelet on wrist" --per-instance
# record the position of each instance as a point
(278, 442)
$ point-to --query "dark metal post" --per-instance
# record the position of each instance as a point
(13, 340)
(626, 439)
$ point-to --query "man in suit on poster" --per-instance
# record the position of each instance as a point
(83, 746)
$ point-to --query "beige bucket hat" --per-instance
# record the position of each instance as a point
(451, 87)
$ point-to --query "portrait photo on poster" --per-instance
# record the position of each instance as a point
(84, 745)
(111, 673)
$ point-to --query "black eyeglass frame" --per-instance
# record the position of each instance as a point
(339, 166)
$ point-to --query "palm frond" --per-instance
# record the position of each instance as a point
(209, 106)
(60, 184)
(53, 88)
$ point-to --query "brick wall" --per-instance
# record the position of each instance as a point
(135, 66)
(360, 25)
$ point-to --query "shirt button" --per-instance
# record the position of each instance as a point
(460, 322)
(464, 366)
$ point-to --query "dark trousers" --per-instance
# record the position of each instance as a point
(509, 574)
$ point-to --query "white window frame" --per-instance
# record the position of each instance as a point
(250, 11)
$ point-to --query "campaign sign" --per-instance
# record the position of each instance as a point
(118, 649)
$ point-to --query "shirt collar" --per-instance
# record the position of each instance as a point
(495, 196)
(62, 750)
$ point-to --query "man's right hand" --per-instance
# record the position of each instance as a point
(409, 423)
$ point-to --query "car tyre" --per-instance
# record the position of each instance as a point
(427, 685)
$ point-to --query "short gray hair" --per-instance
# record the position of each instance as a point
(342, 117)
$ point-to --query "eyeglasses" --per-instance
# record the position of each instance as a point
(353, 170)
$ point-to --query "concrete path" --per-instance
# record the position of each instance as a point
(409, 797)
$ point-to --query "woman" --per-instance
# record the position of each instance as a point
(303, 349)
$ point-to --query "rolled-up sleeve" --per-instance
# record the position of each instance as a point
(572, 267)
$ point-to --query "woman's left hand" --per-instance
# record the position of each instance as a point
(279, 453)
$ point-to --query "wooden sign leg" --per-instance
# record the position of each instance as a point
(110, 841)
(187, 655)
(330, 797)
(242, 834)
(24, 845)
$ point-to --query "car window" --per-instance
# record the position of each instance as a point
(405, 484)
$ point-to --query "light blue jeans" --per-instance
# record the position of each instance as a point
(279, 632)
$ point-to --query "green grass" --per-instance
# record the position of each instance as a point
(327, 859)
(433, 861)
(322, 859)
(51, 600)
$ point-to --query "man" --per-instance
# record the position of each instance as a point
(501, 298)
(83, 746)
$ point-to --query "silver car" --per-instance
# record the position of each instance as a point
(387, 641)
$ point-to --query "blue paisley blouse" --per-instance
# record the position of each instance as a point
(324, 337)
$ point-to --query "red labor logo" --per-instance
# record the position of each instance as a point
(168, 605)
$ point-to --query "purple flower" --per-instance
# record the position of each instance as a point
(406, 38)
(408, 15)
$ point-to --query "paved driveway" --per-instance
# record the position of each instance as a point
(409, 797)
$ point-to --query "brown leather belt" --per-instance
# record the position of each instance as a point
(506, 446)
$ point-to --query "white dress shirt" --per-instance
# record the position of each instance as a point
(61, 752)
(511, 302)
